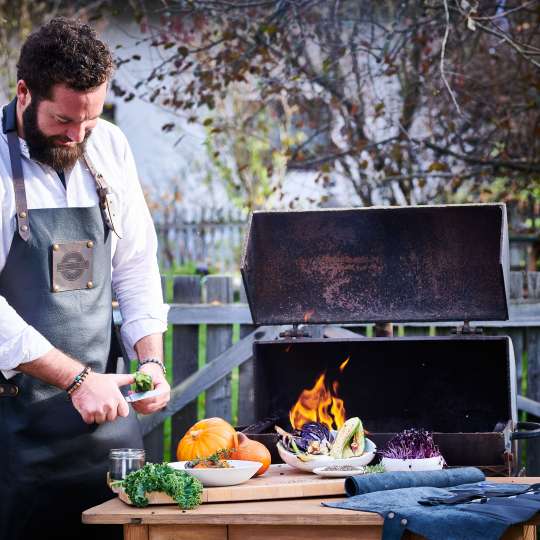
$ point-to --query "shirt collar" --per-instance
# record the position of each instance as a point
(9, 123)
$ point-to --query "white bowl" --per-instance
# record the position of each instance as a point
(421, 464)
(323, 461)
(239, 472)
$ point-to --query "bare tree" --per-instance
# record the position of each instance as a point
(411, 101)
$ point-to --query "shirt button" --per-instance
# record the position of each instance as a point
(24, 228)
(22, 215)
(55, 288)
(90, 244)
(90, 285)
(391, 515)
(404, 522)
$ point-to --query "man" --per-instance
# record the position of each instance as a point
(74, 221)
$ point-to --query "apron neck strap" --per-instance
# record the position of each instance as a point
(9, 126)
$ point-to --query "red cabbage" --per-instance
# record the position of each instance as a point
(411, 444)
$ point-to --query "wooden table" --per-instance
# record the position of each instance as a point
(288, 519)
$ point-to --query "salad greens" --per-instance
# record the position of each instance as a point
(143, 382)
(411, 444)
(185, 489)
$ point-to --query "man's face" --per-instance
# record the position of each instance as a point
(56, 129)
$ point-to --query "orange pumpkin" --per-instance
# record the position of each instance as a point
(205, 438)
(250, 450)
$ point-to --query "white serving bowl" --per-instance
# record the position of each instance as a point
(323, 461)
(239, 472)
(421, 464)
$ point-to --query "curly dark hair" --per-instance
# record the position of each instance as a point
(64, 51)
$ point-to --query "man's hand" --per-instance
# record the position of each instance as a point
(151, 346)
(150, 405)
(99, 399)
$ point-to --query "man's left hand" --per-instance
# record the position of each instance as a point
(153, 404)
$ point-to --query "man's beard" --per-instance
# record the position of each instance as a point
(45, 149)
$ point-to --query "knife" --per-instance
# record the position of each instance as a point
(144, 395)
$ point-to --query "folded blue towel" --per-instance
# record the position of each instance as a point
(470, 521)
(367, 483)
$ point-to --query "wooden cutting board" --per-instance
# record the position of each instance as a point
(279, 482)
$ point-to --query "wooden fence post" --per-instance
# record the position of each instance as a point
(246, 377)
(153, 442)
(185, 350)
(533, 392)
(218, 339)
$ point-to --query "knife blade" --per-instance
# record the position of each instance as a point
(144, 395)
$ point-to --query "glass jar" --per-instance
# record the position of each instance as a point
(122, 461)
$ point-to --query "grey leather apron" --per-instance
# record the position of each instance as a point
(53, 465)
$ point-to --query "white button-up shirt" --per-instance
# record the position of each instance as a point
(135, 273)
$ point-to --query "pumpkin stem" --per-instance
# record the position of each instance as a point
(195, 433)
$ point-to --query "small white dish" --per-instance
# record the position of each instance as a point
(315, 462)
(239, 472)
(421, 464)
(320, 471)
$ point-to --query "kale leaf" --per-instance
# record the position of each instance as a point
(143, 382)
(185, 489)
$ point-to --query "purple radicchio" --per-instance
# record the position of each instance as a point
(411, 444)
(313, 438)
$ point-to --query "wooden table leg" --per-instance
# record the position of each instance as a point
(136, 532)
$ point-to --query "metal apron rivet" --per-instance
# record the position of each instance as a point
(56, 247)
(90, 285)
(22, 215)
(90, 244)
(55, 288)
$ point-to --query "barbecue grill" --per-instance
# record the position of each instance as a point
(382, 265)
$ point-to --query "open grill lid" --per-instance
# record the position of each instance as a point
(400, 264)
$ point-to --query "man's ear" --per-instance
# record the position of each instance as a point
(23, 94)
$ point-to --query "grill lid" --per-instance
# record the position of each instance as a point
(400, 264)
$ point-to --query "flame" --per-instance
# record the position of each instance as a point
(320, 404)
(343, 365)
(308, 314)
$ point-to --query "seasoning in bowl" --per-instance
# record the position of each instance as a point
(342, 468)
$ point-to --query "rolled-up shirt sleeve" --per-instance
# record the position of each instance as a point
(19, 342)
(135, 273)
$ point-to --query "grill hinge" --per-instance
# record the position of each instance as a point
(466, 329)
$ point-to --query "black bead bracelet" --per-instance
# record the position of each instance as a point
(78, 380)
(153, 361)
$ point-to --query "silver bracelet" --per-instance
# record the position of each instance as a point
(153, 361)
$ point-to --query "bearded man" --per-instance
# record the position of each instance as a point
(74, 226)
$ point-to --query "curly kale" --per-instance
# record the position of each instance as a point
(143, 382)
(185, 489)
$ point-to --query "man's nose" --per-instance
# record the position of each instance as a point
(76, 133)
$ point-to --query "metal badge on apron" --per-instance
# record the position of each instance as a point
(72, 266)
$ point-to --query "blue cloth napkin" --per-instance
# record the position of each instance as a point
(367, 483)
(470, 521)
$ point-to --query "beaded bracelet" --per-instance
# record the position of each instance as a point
(78, 380)
(153, 361)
